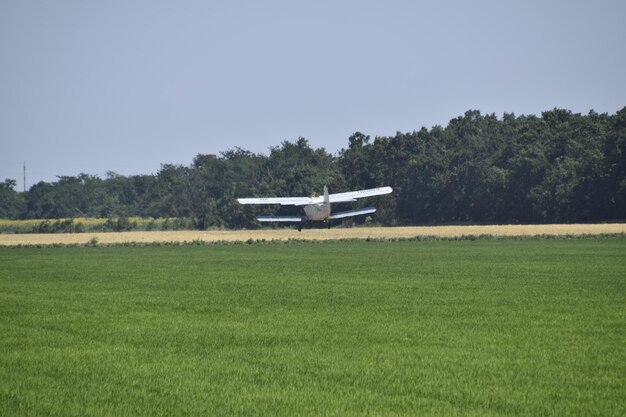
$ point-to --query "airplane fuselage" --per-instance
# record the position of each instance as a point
(317, 212)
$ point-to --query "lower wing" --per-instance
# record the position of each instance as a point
(294, 219)
(351, 213)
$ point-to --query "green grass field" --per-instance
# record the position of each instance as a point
(433, 328)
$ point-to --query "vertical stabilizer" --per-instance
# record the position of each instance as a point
(326, 201)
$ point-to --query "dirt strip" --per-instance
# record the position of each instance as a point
(310, 234)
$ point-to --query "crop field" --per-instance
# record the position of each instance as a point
(269, 234)
(435, 328)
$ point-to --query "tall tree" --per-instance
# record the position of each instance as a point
(11, 202)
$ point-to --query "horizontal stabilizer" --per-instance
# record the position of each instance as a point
(352, 213)
(294, 219)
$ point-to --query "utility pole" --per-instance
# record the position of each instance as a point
(24, 176)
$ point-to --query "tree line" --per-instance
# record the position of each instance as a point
(560, 167)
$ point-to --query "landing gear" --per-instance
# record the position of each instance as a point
(314, 225)
(302, 224)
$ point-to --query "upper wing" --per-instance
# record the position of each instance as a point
(283, 201)
(354, 195)
(303, 201)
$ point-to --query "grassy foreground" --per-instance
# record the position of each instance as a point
(467, 328)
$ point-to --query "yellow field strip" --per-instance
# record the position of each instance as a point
(310, 234)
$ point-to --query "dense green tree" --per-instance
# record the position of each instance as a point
(559, 167)
(172, 195)
(70, 196)
(613, 184)
(11, 202)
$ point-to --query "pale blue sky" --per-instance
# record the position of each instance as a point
(91, 86)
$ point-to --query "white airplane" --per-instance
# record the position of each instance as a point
(317, 208)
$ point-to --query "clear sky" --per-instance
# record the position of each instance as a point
(92, 86)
